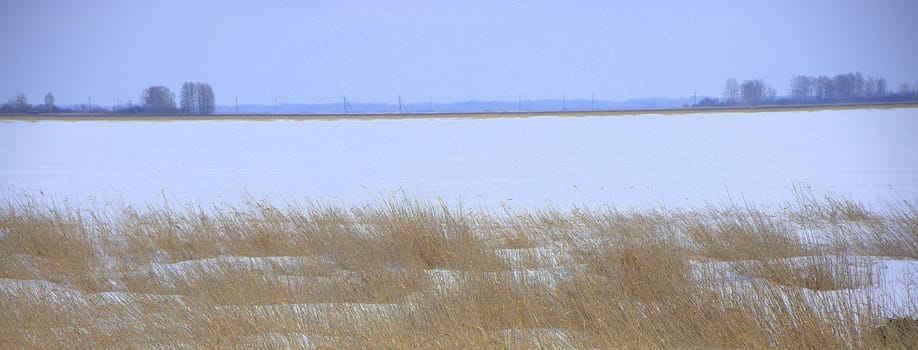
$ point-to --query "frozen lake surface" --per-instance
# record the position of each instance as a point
(691, 160)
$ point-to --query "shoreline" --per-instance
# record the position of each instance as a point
(452, 115)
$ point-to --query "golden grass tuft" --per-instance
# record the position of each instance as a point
(820, 272)
(408, 274)
(740, 234)
(898, 333)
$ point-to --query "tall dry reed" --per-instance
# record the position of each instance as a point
(410, 274)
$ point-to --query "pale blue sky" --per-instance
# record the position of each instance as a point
(374, 51)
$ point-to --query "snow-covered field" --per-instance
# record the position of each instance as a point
(769, 271)
(691, 160)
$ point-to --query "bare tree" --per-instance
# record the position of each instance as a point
(848, 86)
(823, 89)
(207, 100)
(49, 102)
(188, 99)
(858, 82)
(802, 87)
(843, 86)
(870, 88)
(769, 95)
(197, 98)
(731, 91)
(905, 90)
(18, 104)
(158, 99)
(752, 91)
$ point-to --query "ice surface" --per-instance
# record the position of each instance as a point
(870, 155)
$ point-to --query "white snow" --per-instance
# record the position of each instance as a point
(870, 155)
(899, 283)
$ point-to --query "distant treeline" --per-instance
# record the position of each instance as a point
(198, 98)
(842, 88)
(195, 98)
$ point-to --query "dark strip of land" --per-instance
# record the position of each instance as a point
(453, 115)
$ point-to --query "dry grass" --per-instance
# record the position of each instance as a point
(415, 274)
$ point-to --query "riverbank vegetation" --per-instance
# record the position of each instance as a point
(405, 273)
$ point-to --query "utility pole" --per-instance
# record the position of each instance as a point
(563, 102)
(347, 106)
(400, 106)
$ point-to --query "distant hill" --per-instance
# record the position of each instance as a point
(456, 107)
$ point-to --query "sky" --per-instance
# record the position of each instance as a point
(376, 51)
